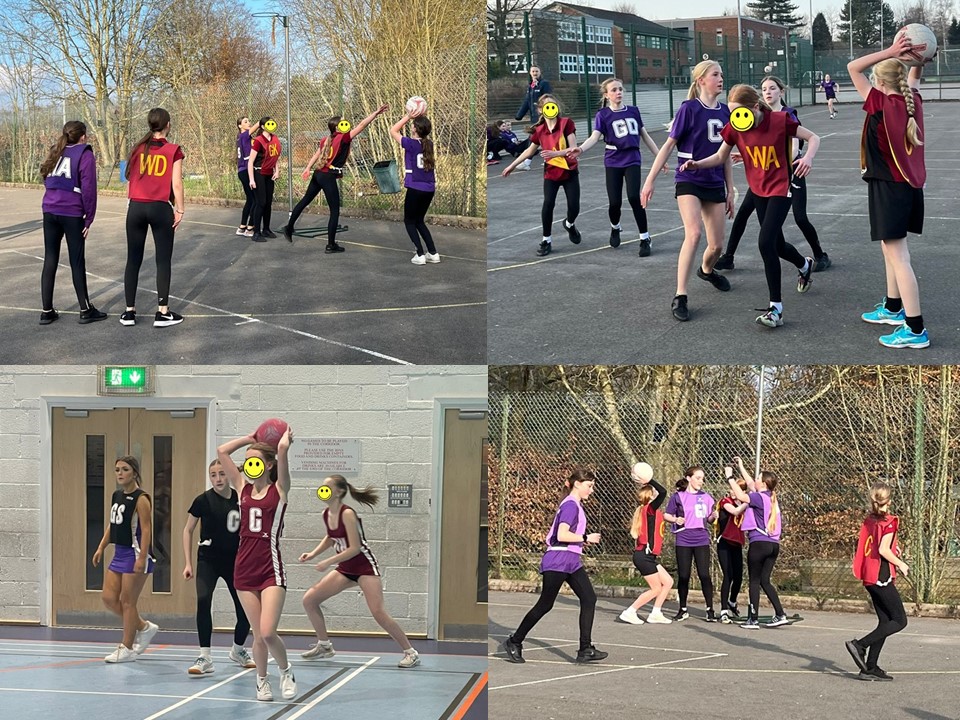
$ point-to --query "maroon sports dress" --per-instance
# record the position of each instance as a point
(362, 564)
(258, 564)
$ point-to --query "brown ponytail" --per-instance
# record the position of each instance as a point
(367, 496)
(422, 125)
(157, 120)
(73, 130)
(770, 481)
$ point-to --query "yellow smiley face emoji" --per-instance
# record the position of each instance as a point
(270, 126)
(343, 126)
(742, 119)
(551, 110)
(324, 492)
(253, 467)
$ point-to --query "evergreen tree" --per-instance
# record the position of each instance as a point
(822, 37)
(953, 34)
(866, 23)
(781, 12)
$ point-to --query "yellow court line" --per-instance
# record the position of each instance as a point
(568, 255)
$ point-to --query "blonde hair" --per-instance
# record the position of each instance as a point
(603, 89)
(771, 481)
(544, 99)
(747, 95)
(880, 494)
(645, 496)
(701, 69)
(893, 74)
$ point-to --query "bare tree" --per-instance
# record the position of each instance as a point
(498, 13)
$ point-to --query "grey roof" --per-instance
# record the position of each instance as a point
(624, 21)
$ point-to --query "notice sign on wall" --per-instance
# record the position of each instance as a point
(322, 456)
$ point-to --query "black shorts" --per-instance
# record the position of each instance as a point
(354, 578)
(706, 194)
(645, 562)
(896, 208)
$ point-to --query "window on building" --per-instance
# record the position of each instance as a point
(604, 35)
(570, 31)
(571, 64)
(765, 39)
(750, 36)
(657, 63)
(626, 39)
(655, 42)
(642, 62)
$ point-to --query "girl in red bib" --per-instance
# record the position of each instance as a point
(330, 159)
(647, 529)
(259, 575)
(765, 140)
(354, 564)
(155, 179)
(892, 164)
(263, 169)
(875, 564)
(556, 135)
(730, 541)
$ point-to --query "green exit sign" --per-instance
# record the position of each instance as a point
(126, 380)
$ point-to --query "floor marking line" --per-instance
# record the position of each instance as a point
(565, 677)
(332, 690)
(471, 698)
(200, 694)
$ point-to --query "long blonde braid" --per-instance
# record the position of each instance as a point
(893, 74)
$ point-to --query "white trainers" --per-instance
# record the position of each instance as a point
(288, 684)
(656, 617)
(418, 260)
(203, 666)
(525, 165)
(242, 658)
(322, 649)
(433, 257)
(121, 654)
(143, 637)
(411, 658)
(264, 691)
(630, 616)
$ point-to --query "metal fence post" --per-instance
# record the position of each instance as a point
(586, 73)
(633, 61)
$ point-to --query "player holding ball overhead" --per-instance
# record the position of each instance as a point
(418, 178)
(259, 574)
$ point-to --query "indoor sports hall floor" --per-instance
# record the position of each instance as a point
(60, 673)
(272, 303)
(695, 669)
(590, 303)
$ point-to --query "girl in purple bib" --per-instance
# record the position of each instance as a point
(418, 179)
(562, 564)
(691, 509)
(761, 523)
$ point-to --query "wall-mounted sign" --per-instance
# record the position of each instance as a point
(315, 456)
(126, 380)
(400, 496)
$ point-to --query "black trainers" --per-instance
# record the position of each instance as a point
(711, 617)
(823, 262)
(91, 314)
(288, 233)
(514, 651)
(48, 316)
(858, 653)
(682, 614)
(257, 237)
(590, 654)
(715, 279)
(735, 611)
(880, 674)
(544, 248)
(614, 237)
(679, 307)
(166, 319)
(333, 248)
(269, 233)
(803, 279)
(572, 232)
(724, 262)
(129, 317)
(644, 247)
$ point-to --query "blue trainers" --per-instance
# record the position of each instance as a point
(881, 316)
(903, 337)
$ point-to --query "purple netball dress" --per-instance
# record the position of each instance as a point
(565, 557)
(621, 134)
(696, 128)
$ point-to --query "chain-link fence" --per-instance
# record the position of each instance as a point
(828, 433)
(204, 114)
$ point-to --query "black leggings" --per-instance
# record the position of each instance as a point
(772, 211)
(761, 557)
(263, 202)
(415, 206)
(158, 217)
(54, 228)
(248, 205)
(615, 178)
(552, 582)
(327, 184)
(798, 188)
(891, 618)
(730, 555)
(571, 188)
(685, 556)
(209, 570)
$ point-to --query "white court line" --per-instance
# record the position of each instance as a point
(240, 316)
(126, 694)
(331, 690)
(538, 227)
(624, 645)
(198, 694)
(94, 654)
(567, 255)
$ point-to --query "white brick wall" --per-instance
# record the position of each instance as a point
(390, 409)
